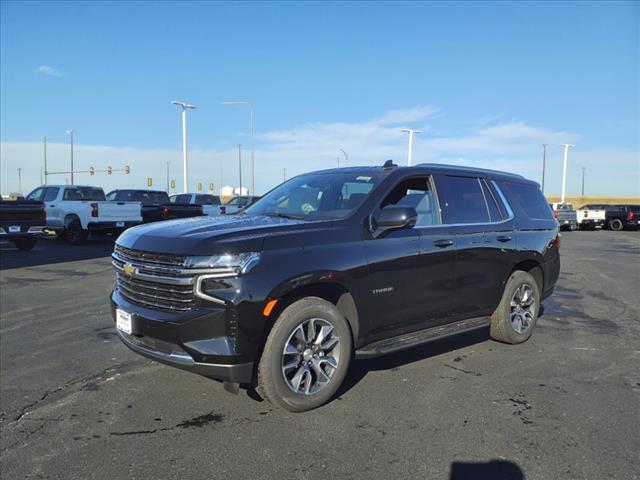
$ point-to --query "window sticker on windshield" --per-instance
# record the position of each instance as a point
(363, 179)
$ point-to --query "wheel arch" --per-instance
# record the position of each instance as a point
(534, 268)
(70, 217)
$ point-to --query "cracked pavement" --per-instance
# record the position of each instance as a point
(76, 404)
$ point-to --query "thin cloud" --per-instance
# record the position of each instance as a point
(49, 70)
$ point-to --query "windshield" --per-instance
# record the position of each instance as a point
(317, 196)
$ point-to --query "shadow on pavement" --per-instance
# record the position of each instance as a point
(492, 470)
(51, 251)
(359, 368)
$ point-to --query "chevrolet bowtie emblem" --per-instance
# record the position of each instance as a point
(129, 269)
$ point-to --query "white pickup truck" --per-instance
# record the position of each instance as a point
(591, 216)
(211, 204)
(75, 211)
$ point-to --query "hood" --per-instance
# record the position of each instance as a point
(210, 235)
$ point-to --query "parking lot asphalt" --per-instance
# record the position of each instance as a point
(76, 404)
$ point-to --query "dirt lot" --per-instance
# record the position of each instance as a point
(76, 404)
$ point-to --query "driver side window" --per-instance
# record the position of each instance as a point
(416, 192)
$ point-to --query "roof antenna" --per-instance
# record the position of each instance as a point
(388, 165)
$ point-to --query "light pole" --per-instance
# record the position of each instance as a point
(411, 133)
(544, 162)
(71, 133)
(253, 164)
(167, 176)
(185, 106)
(284, 174)
(20, 181)
(346, 157)
(240, 166)
(45, 160)
(583, 169)
(565, 146)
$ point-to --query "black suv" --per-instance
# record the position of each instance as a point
(332, 265)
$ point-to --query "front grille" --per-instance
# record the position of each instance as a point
(162, 259)
(154, 280)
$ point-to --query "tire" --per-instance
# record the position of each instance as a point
(503, 329)
(615, 224)
(25, 244)
(293, 388)
(75, 234)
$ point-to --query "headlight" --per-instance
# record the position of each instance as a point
(225, 264)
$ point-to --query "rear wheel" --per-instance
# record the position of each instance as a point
(615, 224)
(75, 234)
(25, 244)
(517, 314)
(306, 356)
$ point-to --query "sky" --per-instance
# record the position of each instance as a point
(486, 83)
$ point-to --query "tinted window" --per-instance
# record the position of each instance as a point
(150, 198)
(182, 199)
(528, 199)
(83, 193)
(51, 194)
(36, 194)
(207, 200)
(416, 193)
(494, 213)
(461, 200)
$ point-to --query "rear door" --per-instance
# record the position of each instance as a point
(483, 240)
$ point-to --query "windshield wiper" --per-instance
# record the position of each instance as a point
(285, 215)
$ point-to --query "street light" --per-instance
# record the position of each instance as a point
(71, 133)
(185, 106)
(411, 133)
(544, 161)
(346, 157)
(565, 146)
(253, 165)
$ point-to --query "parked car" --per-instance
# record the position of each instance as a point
(620, 217)
(22, 222)
(211, 204)
(236, 204)
(155, 204)
(592, 216)
(75, 211)
(355, 261)
(565, 215)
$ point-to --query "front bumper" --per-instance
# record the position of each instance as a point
(199, 341)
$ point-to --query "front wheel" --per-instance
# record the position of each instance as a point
(25, 244)
(517, 314)
(306, 356)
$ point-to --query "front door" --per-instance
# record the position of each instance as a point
(411, 271)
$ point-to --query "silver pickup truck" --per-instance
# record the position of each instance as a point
(565, 215)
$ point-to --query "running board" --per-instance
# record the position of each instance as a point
(408, 340)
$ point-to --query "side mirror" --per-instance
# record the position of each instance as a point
(394, 217)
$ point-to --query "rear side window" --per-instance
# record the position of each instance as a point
(462, 200)
(182, 199)
(207, 200)
(528, 199)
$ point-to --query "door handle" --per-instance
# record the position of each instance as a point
(51, 205)
(503, 238)
(443, 243)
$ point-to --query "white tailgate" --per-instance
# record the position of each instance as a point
(111, 211)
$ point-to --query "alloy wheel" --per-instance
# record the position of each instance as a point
(522, 308)
(310, 356)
